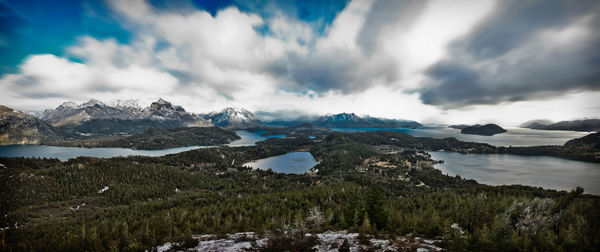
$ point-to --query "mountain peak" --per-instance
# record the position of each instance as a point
(162, 101)
(161, 110)
(131, 103)
(231, 117)
(162, 104)
(68, 105)
(93, 102)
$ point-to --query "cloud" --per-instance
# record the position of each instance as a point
(409, 59)
(524, 51)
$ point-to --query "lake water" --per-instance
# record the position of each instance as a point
(513, 136)
(250, 138)
(293, 162)
(507, 169)
(64, 153)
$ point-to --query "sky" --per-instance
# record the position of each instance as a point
(471, 61)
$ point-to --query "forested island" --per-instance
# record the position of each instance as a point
(379, 184)
(160, 138)
(483, 130)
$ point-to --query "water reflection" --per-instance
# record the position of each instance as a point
(514, 136)
(506, 169)
(293, 162)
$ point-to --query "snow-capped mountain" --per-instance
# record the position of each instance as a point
(162, 110)
(342, 120)
(233, 118)
(350, 120)
(131, 106)
(70, 113)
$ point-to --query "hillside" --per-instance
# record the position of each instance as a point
(17, 127)
(575, 125)
(591, 141)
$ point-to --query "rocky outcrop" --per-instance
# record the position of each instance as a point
(17, 127)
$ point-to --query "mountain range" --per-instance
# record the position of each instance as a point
(70, 113)
(348, 120)
(231, 118)
(574, 125)
(70, 121)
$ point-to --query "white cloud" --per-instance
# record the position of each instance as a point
(206, 62)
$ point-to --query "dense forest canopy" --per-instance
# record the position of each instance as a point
(136, 203)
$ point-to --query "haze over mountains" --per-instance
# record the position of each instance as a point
(348, 120)
(70, 121)
(94, 118)
(163, 112)
(575, 125)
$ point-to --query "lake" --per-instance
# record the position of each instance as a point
(64, 153)
(250, 138)
(507, 169)
(293, 162)
(514, 136)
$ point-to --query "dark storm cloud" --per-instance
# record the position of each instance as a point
(355, 71)
(333, 72)
(507, 58)
(403, 13)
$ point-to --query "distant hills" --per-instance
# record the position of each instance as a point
(349, 120)
(575, 125)
(483, 130)
(458, 126)
(591, 141)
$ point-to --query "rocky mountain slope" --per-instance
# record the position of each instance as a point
(95, 118)
(17, 127)
(70, 113)
(233, 118)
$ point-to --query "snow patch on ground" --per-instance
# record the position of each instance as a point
(103, 189)
(328, 241)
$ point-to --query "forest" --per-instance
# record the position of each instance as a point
(159, 138)
(372, 183)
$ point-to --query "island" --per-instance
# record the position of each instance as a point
(160, 138)
(483, 130)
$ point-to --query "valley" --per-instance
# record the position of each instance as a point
(378, 184)
(136, 181)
